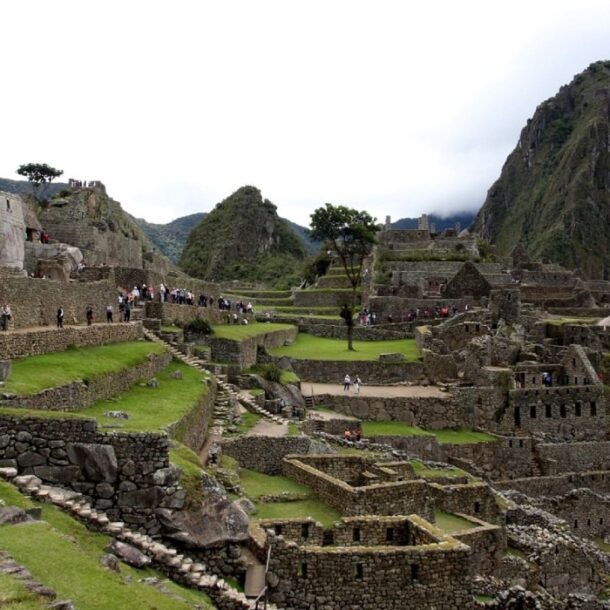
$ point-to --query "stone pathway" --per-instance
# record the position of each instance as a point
(178, 567)
(375, 391)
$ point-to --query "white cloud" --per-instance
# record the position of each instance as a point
(390, 106)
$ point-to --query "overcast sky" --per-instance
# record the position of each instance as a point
(396, 107)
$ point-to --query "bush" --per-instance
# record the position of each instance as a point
(198, 326)
(273, 373)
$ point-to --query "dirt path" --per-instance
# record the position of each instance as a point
(268, 428)
(375, 391)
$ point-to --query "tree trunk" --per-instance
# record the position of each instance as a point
(350, 332)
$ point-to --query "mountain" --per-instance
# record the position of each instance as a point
(170, 238)
(24, 187)
(553, 194)
(243, 238)
(464, 218)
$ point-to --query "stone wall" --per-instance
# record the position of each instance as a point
(245, 352)
(392, 498)
(566, 412)
(12, 231)
(386, 578)
(168, 312)
(556, 485)
(575, 457)
(44, 341)
(385, 332)
(371, 372)
(474, 499)
(34, 302)
(82, 393)
(264, 453)
(487, 544)
(431, 412)
(125, 474)
(323, 298)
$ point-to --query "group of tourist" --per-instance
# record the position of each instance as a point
(347, 383)
(352, 435)
(367, 318)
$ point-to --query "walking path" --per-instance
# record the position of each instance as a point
(265, 427)
(375, 391)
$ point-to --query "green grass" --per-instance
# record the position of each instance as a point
(41, 413)
(562, 321)
(171, 328)
(450, 523)
(60, 552)
(462, 437)
(421, 470)
(239, 332)
(188, 462)
(604, 546)
(36, 373)
(286, 377)
(248, 421)
(153, 409)
(391, 428)
(309, 347)
(256, 392)
(14, 596)
(445, 436)
(293, 429)
(256, 484)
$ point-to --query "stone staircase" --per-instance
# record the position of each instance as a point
(178, 567)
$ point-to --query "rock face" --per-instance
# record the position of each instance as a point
(12, 230)
(553, 195)
(98, 462)
(242, 234)
(90, 220)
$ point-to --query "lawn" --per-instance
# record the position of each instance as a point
(445, 436)
(79, 576)
(188, 462)
(152, 409)
(309, 347)
(248, 421)
(239, 332)
(421, 470)
(450, 523)
(36, 373)
(256, 484)
(14, 596)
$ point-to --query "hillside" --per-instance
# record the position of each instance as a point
(243, 238)
(170, 238)
(553, 192)
(464, 218)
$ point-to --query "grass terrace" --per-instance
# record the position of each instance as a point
(309, 347)
(36, 373)
(153, 409)
(421, 470)
(79, 575)
(562, 321)
(301, 501)
(450, 523)
(445, 436)
(240, 332)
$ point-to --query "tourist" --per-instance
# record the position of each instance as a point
(5, 316)
(60, 317)
(126, 311)
(347, 435)
(89, 315)
(109, 312)
(347, 381)
(357, 434)
(357, 384)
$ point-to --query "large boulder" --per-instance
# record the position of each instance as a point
(217, 522)
(5, 369)
(290, 394)
(129, 554)
(97, 462)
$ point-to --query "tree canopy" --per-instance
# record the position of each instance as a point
(351, 235)
(38, 173)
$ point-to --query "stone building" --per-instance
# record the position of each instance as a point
(12, 231)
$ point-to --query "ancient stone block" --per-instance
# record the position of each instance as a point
(98, 462)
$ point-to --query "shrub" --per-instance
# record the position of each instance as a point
(198, 326)
(273, 373)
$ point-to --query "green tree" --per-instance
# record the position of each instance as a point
(351, 235)
(39, 174)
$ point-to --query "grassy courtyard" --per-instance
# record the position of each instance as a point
(445, 436)
(239, 332)
(256, 485)
(450, 523)
(151, 409)
(79, 575)
(309, 347)
(36, 373)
